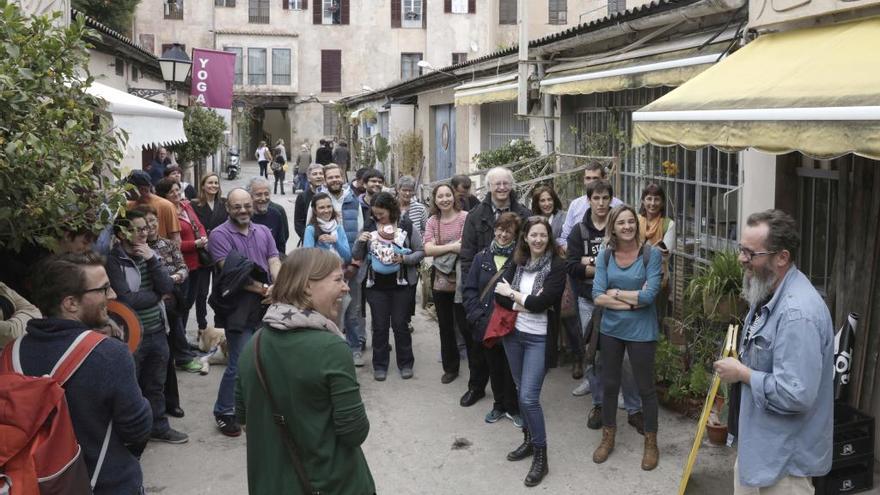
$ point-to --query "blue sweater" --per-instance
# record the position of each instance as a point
(342, 246)
(104, 388)
(641, 324)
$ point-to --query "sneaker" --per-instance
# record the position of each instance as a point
(170, 436)
(494, 416)
(228, 425)
(594, 420)
(637, 421)
(406, 373)
(582, 389)
(380, 375)
(191, 366)
(516, 418)
(358, 359)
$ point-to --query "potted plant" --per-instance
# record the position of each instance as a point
(717, 287)
(716, 425)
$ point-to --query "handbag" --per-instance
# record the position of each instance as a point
(569, 302)
(502, 321)
(280, 420)
(205, 258)
(445, 276)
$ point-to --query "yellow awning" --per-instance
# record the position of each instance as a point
(667, 69)
(501, 88)
(814, 90)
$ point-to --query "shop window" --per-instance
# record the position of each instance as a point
(256, 66)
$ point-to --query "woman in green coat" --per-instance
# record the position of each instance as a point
(308, 369)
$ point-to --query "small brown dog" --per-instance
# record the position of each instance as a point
(213, 341)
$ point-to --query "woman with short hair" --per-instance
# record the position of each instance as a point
(392, 251)
(532, 286)
(443, 243)
(300, 356)
(627, 280)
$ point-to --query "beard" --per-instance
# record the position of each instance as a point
(240, 221)
(334, 188)
(95, 316)
(758, 285)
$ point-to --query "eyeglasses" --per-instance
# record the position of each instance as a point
(104, 288)
(142, 230)
(506, 185)
(749, 254)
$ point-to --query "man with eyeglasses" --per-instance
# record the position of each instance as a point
(71, 291)
(783, 382)
(241, 237)
(139, 279)
(490, 364)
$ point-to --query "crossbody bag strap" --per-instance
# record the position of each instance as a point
(490, 284)
(280, 420)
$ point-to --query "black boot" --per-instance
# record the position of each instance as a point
(539, 468)
(524, 450)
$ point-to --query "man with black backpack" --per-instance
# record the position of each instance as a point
(584, 243)
(104, 401)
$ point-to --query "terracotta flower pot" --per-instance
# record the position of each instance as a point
(717, 434)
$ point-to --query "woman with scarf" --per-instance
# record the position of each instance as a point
(392, 251)
(306, 367)
(532, 286)
(443, 243)
(490, 364)
(659, 231)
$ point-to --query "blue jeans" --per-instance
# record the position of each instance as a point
(525, 354)
(353, 322)
(235, 341)
(631, 400)
(151, 363)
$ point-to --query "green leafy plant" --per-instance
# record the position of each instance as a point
(408, 152)
(116, 15)
(382, 148)
(717, 286)
(58, 156)
(204, 134)
(514, 151)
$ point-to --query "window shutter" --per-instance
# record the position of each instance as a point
(447, 6)
(395, 13)
(285, 4)
(317, 15)
(331, 71)
(472, 6)
(424, 14)
(305, 5)
(343, 18)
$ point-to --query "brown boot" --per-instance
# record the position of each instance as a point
(652, 454)
(605, 448)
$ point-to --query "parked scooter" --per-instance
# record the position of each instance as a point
(233, 163)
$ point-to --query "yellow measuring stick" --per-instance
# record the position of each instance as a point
(730, 342)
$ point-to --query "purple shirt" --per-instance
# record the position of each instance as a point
(257, 246)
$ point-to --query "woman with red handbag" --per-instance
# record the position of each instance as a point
(532, 286)
(489, 364)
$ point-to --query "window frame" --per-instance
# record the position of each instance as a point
(461, 56)
(251, 73)
(173, 11)
(412, 6)
(554, 9)
(328, 15)
(289, 74)
(452, 9)
(503, 8)
(259, 11)
(413, 64)
(224, 3)
(238, 71)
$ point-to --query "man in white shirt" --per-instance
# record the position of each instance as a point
(576, 210)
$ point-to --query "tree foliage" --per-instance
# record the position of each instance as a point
(58, 155)
(204, 134)
(116, 15)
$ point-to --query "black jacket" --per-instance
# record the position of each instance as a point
(324, 155)
(479, 228)
(549, 300)
(477, 278)
(301, 211)
(211, 218)
(578, 247)
(234, 308)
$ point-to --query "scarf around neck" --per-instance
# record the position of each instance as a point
(282, 316)
(541, 266)
(653, 229)
(498, 250)
(327, 227)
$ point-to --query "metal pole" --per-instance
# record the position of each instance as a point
(522, 102)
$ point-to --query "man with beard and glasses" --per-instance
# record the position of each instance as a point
(269, 213)
(71, 291)
(240, 236)
(785, 376)
(348, 209)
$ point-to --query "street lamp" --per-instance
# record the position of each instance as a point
(175, 64)
(424, 64)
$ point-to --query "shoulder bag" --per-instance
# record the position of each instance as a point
(444, 275)
(280, 420)
(502, 321)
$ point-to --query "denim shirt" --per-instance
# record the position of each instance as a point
(787, 408)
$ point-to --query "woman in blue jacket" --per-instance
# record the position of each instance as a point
(324, 230)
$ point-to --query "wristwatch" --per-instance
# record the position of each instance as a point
(265, 289)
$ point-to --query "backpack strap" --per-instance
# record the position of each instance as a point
(645, 251)
(75, 355)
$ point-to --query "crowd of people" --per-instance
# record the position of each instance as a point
(509, 278)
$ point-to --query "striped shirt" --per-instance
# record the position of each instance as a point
(417, 213)
(441, 233)
(151, 318)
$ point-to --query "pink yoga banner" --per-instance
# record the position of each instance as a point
(212, 75)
